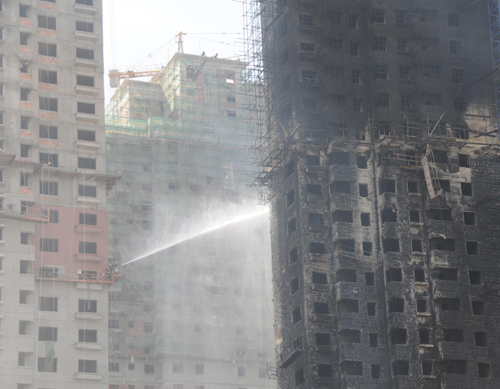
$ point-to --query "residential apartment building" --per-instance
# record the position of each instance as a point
(380, 150)
(197, 315)
(54, 251)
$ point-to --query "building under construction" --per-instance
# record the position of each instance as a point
(197, 315)
(378, 150)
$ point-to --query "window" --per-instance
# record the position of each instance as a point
(453, 20)
(49, 304)
(86, 108)
(84, 26)
(47, 334)
(426, 367)
(337, 72)
(25, 93)
(47, 49)
(404, 72)
(373, 340)
(319, 278)
(296, 315)
(47, 132)
(353, 21)
(88, 219)
(376, 371)
(403, 44)
(200, 369)
(87, 306)
(474, 277)
(480, 339)
(417, 246)
(352, 368)
(24, 11)
(47, 22)
(394, 275)
(47, 76)
(49, 159)
(84, 53)
(429, 43)
(87, 247)
(421, 305)
(113, 366)
(433, 99)
(382, 100)
(317, 248)
(299, 377)
(307, 47)
(47, 104)
(379, 44)
(25, 237)
(321, 308)
(47, 365)
(400, 368)
(25, 267)
(25, 122)
(337, 45)
(377, 16)
(294, 285)
(414, 216)
(87, 366)
(293, 256)
(357, 105)
(86, 163)
(24, 38)
(455, 47)
(49, 245)
(356, 77)
(380, 72)
(22, 359)
(401, 16)
(325, 370)
(87, 336)
(241, 371)
(25, 179)
(86, 135)
(457, 76)
(396, 305)
(424, 335)
(371, 309)
(354, 49)
(178, 367)
(148, 328)
(483, 370)
(466, 188)
(25, 296)
(87, 191)
(24, 327)
(338, 101)
(370, 279)
(363, 190)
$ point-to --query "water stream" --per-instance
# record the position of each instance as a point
(196, 234)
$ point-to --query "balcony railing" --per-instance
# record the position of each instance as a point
(13, 211)
(107, 277)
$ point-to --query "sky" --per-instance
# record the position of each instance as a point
(133, 30)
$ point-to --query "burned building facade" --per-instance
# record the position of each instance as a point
(379, 153)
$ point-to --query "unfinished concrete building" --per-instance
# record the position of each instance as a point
(53, 231)
(378, 148)
(198, 315)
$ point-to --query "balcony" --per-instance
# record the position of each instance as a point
(88, 376)
(85, 257)
(286, 356)
(88, 316)
(80, 276)
(346, 290)
(86, 229)
(86, 9)
(342, 230)
(17, 212)
(88, 346)
(443, 258)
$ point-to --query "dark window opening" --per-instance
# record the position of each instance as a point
(88, 219)
(290, 198)
(89, 136)
(469, 218)
(294, 285)
(480, 339)
(346, 275)
(87, 366)
(293, 255)
(447, 304)
(296, 315)
(316, 219)
(49, 245)
(387, 186)
(442, 244)
(86, 108)
(445, 185)
(340, 158)
(85, 53)
(325, 370)
(391, 245)
(322, 339)
(292, 226)
(483, 370)
(87, 247)
(463, 160)
(373, 340)
(47, 334)
(466, 188)
(453, 335)
(369, 278)
(371, 309)
(87, 336)
(312, 160)
(426, 367)
(419, 275)
(398, 335)
(417, 246)
(319, 278)
(87, 306)
(376, 371)
(365, 219)
(299, 377)
(446, 274)
(477, 308)
(317, 248)
(472, 248)
(413, 187)
(87, 191)
(367, 249)
(340, 187)
(421, 306)
(414, 216)
(321, 308)
(400, 368)
(396, 305)
(454, 366)
(314, 189)
(352, 367)
(389, 215)
(363, 190)
(350, 336)
(424, 335)
(362, 163)
(474, 277)
(342, 216)
(394, 275)
(440, 156)
(348, 305)
(289, 169)
(87, 163)
(439, 214)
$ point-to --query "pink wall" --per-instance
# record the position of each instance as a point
(69, 233)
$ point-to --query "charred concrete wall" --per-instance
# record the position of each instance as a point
(382, 197)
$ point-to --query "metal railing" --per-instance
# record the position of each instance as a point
(23, 212)
(54, 274)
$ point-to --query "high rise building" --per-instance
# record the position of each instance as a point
(197, 315)
(54, 251)
(380, 154)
